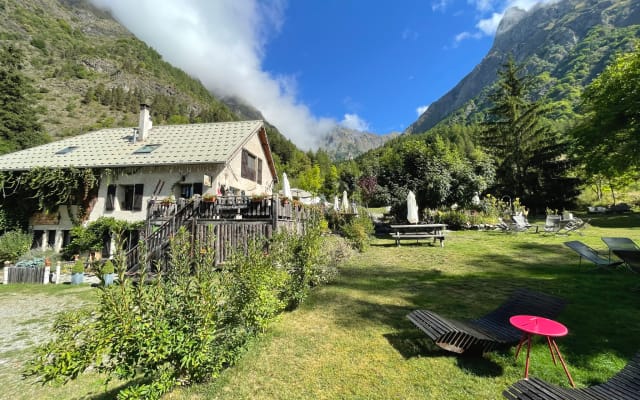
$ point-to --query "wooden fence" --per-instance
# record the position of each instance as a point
(26, 275)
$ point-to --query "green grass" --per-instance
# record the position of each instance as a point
(351, 339)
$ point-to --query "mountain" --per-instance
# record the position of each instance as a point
(343, 143)
(565, 44)
(90, 72)
(340, 143)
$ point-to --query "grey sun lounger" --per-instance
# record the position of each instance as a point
(590, 254)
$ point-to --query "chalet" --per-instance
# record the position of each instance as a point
(151, 163)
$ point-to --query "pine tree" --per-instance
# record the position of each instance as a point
(530, 157)
(19, 126)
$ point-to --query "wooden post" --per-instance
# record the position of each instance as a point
(5, 279)
(57, 273)
(274, 212)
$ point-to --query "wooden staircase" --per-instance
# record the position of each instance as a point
(157, 239)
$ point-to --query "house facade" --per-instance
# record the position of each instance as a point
(147, 163)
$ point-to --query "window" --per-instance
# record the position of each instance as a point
(147, 148)
(37, 239)
(66, 238)
(187, 190)
(132, 200)
(66, 150)
(259, 180)
(51, 239)
(111, 198)
(248, 170)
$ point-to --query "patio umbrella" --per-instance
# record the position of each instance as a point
(345, 202)
(336, 203)
(286, 188)
(412, 208)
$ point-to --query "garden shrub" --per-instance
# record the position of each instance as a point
(257, 287)
(336, 251)
(358, 231)
(168, 332)
(31, 263)
(300, 255)
(14, 244)
(188, 324)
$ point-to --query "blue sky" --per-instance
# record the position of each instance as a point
(311, 64)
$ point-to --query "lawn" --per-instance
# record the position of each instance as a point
(351, 339)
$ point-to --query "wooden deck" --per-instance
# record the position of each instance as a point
(227, 223)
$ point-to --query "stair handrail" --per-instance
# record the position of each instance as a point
(159, 238)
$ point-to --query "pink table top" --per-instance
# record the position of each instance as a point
(538, 325)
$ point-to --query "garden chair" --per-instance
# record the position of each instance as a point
(573, 225)
(590, 254)
(619, 243)
(630, 258)
(552, 224)
(624, 385)
(520, 223)
(490, 331)
(502, 225)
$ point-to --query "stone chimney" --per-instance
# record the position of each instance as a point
(145, 124)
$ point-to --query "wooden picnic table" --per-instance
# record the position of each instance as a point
(417, 232)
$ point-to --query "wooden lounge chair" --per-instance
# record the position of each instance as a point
(624, 385)
(590, 254)
(491, 331)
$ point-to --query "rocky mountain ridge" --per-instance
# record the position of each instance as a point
(567, 43)
(343, 143)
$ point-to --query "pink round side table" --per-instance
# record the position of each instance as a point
(532, 325)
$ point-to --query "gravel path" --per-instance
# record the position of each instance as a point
(25, 322)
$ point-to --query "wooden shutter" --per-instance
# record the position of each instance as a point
(111, 198)
(259, 177)
(137, 197)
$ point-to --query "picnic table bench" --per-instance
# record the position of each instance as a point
(417, 232)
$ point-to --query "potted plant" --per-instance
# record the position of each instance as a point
(258, 197)
(77, 273)
(169, 200)
(209, 198)
(108, 273)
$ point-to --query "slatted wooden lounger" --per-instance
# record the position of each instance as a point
(624, 385)
(491, 331)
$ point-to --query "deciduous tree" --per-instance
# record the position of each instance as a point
(608, 137)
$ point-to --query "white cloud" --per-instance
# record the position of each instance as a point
(222, 43)
(440, 5)
(408, 34)
(420, 110)
(353, 121)
(466, 35)
(484, 5)
(491, 12)
(488, 26)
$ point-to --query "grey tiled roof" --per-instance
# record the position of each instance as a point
(178, 144)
